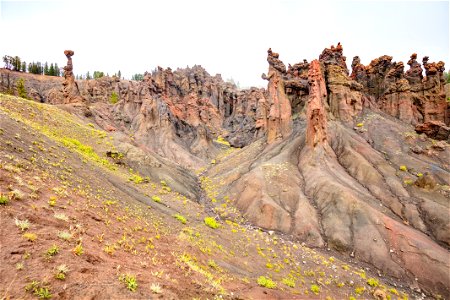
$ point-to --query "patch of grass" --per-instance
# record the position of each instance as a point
(22, 224)
(30, 236)
(266, 282)
(52, 251)
(136, 178)
(78, 250)
(222, 141)
(394, 291)
(156, 199)
(315, 289)
(372, 282)
(52, 201)
(110, 249)
(408, 182)
(40, 291)
(289, 281)
(180, 218)
(211, 222)
(129, 281)
(43, 293)
(213, 264)
(360, 290)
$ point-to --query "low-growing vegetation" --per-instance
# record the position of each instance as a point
(211, 223)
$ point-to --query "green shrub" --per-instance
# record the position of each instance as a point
(129, 281)
(21, 91)
(180, 218)
(372, 282)
(211, 222)
(52, 251)
(403, 168)
(114, 98)
(266, 282)
(315, 289)
(3, 200)
(156, 199)
(136, 178)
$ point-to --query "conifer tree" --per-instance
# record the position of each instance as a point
(51, 71)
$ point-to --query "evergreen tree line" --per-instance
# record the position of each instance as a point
(14, 63)
(97, 74)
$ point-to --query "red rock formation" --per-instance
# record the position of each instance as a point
(344, 97)
(296, 85)
(407, 96)
(414, 74)
(432, 103)
(316, 132)
(279, 123)
(248, 118)
(71, 92)
(396, 97)
(358, 70)
(434, 129)
(334, 55)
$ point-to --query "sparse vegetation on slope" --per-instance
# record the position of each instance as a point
(88, 220)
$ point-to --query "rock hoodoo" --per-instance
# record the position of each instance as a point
(344, 97)
(71, 91)
(279, 124)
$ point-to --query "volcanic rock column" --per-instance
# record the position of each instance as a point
(71, 92)
(279, 120)
(316, 132)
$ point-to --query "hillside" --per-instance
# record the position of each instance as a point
(325, 184)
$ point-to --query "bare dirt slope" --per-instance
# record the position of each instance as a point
(78, 224)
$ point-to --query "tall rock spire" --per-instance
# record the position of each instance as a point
(316, 132)
(279, 125)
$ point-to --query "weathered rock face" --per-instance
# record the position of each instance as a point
(434, 129)
(71, 92)
(279, 124)
(407, 96)
(39, 88)
(297, 88)
(248, 119)
(316, 132)
(432, 103)
(345, 100)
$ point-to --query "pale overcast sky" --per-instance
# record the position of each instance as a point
(229, 37)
